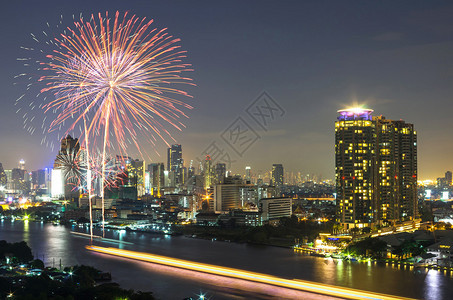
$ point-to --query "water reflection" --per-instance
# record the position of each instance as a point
(57, 242)
(26, 231)
(433, 282)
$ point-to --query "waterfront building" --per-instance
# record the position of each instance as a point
(375, 169)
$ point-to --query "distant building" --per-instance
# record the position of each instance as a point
(220, 173)
(136, 176)
(277, 177)
(272, 209)
(375, 169)
(175, 164)
(248, 174)
(448, 177)
(208, 172)
(3, 178)
(158, 180)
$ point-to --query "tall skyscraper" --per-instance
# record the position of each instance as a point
(448, 177)
(175, 163)
(158, 179)
(136, 175)
(220, 173)
(3, 179)
(22, 164)
(277, 175)
(375, 169)
(69, 144)
(248, 174)
(208, 173)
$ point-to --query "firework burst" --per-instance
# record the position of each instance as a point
(118, 74)
(113, 77)
(73, 168)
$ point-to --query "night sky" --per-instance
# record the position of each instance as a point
(311, 57)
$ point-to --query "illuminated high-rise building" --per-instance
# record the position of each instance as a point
(22, 164)
(69, 144)
(248, 174)
(277, 175)
(220, 173)
(375, 169)
(175, 163)
(158, 179)
(3, 179)
(136, 175)
(208, 173)
(448, 177)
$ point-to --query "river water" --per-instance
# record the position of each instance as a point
(56, 243)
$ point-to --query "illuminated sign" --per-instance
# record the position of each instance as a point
(445, 195)
(427, 194)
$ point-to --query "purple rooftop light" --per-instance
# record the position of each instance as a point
(355, 113)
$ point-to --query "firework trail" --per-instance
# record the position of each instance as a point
(117, 75)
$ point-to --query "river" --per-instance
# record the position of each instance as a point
(56, 243)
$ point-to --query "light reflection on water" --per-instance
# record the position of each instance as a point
(57, 243)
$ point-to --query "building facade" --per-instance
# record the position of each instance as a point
(375, 169)
(272, 209)
(175, 164)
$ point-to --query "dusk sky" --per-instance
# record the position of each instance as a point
(312, 57)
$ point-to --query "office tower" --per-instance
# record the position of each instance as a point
(248, 174)
(158, 178)
(38, 178)
(9, 179)
(277, 176)
(175, 163)
(208, 173)
(136, 176)
(69, 144)
(220, 173)
(22, 164)
(3, 178)
(272, 209)
(190, 172)
(448, 177)
(375, 169)
(18, 181)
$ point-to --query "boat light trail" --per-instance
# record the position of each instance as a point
(246, 275)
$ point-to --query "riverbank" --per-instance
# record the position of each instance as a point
(23, 277)
(286, 234)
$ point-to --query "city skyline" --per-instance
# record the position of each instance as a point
(392, 65)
